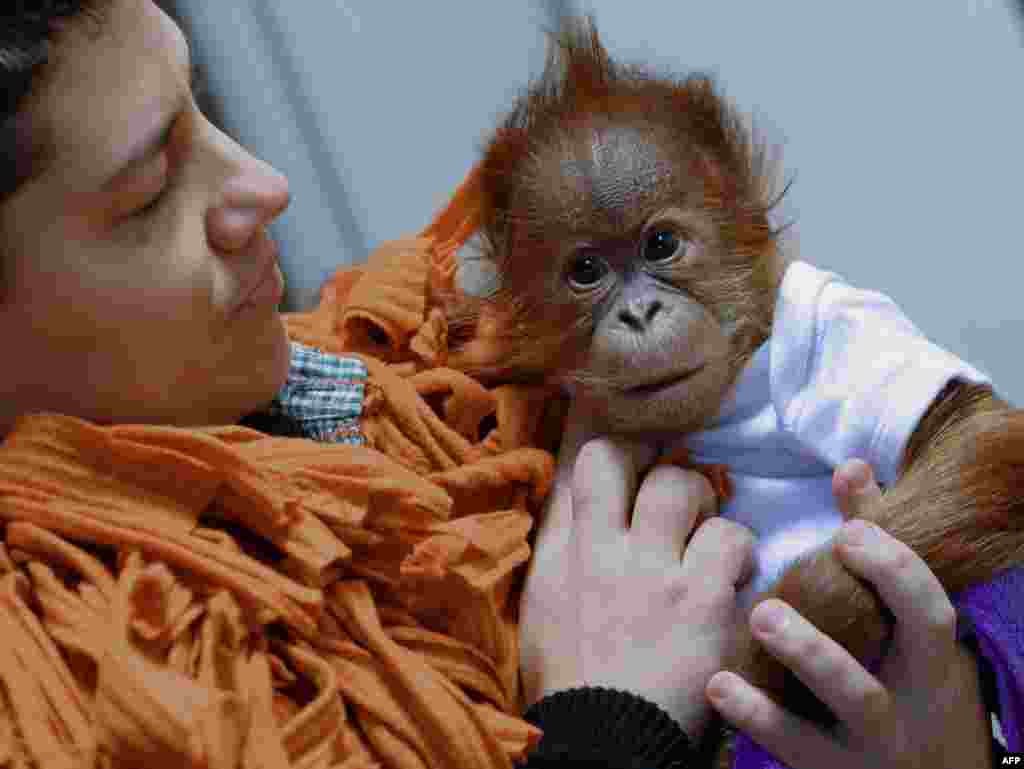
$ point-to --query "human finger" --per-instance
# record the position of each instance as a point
(604, 483)
(855, 488)
(578, 431)
(667, 506)
(794, 741)
(554, 522)
(856, 697)
(720, 552)
(925, 617)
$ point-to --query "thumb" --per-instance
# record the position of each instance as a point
(855, 488)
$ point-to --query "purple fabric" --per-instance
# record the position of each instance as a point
(996, 610)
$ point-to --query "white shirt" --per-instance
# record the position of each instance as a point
(844, 374)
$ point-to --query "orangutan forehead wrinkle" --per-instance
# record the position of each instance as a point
(618, 170)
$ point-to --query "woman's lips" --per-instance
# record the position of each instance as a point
(269, 287)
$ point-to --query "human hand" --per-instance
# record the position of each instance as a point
(924, 707)
(615, 596)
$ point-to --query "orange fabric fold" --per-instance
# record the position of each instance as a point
(216, 597)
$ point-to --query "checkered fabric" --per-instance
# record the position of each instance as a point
(322, 399)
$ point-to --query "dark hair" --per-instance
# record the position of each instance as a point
(28, 31)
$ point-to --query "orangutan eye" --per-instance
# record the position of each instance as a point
(662, 244)
(586, 270)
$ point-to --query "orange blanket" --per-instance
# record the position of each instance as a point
(219, 598)
(216, 597)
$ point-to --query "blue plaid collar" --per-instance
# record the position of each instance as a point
(322, 399)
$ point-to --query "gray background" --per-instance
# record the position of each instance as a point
(901, 122)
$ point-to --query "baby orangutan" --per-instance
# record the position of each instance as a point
(627, 216)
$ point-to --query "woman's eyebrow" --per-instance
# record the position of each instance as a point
(147, 146)
(154, 138)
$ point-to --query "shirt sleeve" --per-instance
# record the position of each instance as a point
(851, 375)
(602, 728)
(991, 617)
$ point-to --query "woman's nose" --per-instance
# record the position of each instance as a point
(251, 202)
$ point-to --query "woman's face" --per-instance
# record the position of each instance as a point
(129, 264)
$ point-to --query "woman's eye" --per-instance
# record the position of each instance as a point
(151, 206)
(662, 245)
(587, 269)
(148, 188)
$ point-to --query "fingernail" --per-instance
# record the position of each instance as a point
(770, 617)
(855, 475)
(858, 532)
(721, 688)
